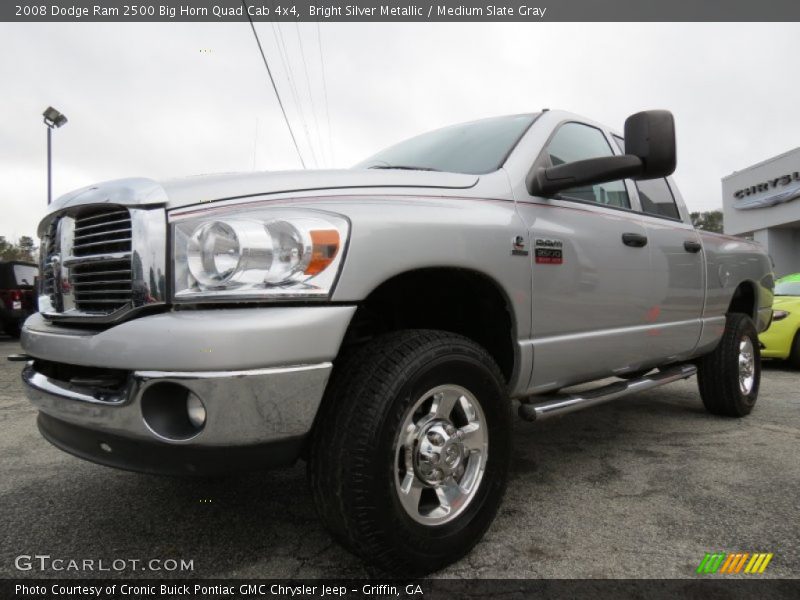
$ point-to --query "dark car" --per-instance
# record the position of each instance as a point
(17, 294)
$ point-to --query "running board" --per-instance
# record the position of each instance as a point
(560, 404)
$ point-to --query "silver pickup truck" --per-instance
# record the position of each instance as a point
(378, 321)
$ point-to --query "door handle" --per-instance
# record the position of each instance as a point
(636, 240)
(692, 246)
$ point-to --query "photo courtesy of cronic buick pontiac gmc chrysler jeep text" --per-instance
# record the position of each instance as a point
(378, 321)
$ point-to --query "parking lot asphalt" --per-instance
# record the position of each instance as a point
(639, 488)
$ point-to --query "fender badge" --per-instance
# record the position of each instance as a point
(518, 246)
(549, 251)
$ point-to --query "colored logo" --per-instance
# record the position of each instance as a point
(734, 562)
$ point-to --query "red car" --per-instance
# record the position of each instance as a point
(17, 294)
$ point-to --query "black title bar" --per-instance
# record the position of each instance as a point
(730, 588)
(398, 10)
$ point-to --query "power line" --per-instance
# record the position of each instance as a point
(325, 91)
(308, 85)
(274, 87)
(301, 108)
(283, 52)
(277, 34)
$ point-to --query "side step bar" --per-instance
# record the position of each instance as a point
(560, 404)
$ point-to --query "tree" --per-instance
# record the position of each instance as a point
(707, 221)
(27, 248)
(24, 249)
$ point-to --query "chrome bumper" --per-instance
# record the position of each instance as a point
(242, 407)
(260, 374)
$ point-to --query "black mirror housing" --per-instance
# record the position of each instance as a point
(650, 135)
(546, 182)
(649, 154)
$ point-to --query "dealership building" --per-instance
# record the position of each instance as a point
(763, 202)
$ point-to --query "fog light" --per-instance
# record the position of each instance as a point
(195, 410)
(172, 412)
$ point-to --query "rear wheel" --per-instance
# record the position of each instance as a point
(729, 376)
(410, 453)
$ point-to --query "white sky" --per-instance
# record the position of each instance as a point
(175, 99)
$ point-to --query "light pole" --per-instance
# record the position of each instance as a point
(53, 119)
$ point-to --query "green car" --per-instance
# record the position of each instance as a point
(781, 340)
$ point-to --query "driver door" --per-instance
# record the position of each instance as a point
(591, 270)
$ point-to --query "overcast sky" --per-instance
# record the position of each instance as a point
(176, 99)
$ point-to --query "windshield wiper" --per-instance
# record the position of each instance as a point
(404, 168)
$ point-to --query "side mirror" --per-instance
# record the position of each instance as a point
(650, 135)
(650, 154)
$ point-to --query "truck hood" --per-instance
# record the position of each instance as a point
(207, 188)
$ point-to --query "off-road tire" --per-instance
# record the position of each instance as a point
(352, 455)
(718, 372)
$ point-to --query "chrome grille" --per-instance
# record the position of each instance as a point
(48, 249)
(101, 262)
(102, 286)
(102, 232)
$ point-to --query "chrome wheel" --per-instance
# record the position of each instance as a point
(440, 454)
(747, 365)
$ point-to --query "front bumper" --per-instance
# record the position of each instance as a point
(260, 374)
(778, 339)
(164, 459)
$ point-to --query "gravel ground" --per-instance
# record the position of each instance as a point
(640, 488)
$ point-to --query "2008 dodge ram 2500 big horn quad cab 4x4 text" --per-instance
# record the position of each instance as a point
(378, 321)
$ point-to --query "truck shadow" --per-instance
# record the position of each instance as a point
(248, 525)
(265, 524)
(779, 366)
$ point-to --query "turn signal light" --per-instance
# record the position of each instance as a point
(325, 247)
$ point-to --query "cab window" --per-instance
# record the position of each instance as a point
(655, 195)
(576, 141)
(657, 199)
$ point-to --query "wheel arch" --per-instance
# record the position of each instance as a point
(745, 300)
(459, 300)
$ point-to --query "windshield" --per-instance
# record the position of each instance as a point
(787, 288)
(475, 148)
(25, 274)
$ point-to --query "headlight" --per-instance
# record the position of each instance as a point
(257, 254)
(779, 315)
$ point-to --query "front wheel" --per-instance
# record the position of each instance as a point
(410, 453)
(729, 376)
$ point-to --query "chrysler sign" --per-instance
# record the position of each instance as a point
(769, 193)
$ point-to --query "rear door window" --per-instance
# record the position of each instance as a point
(657, 199)
(655, 195)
